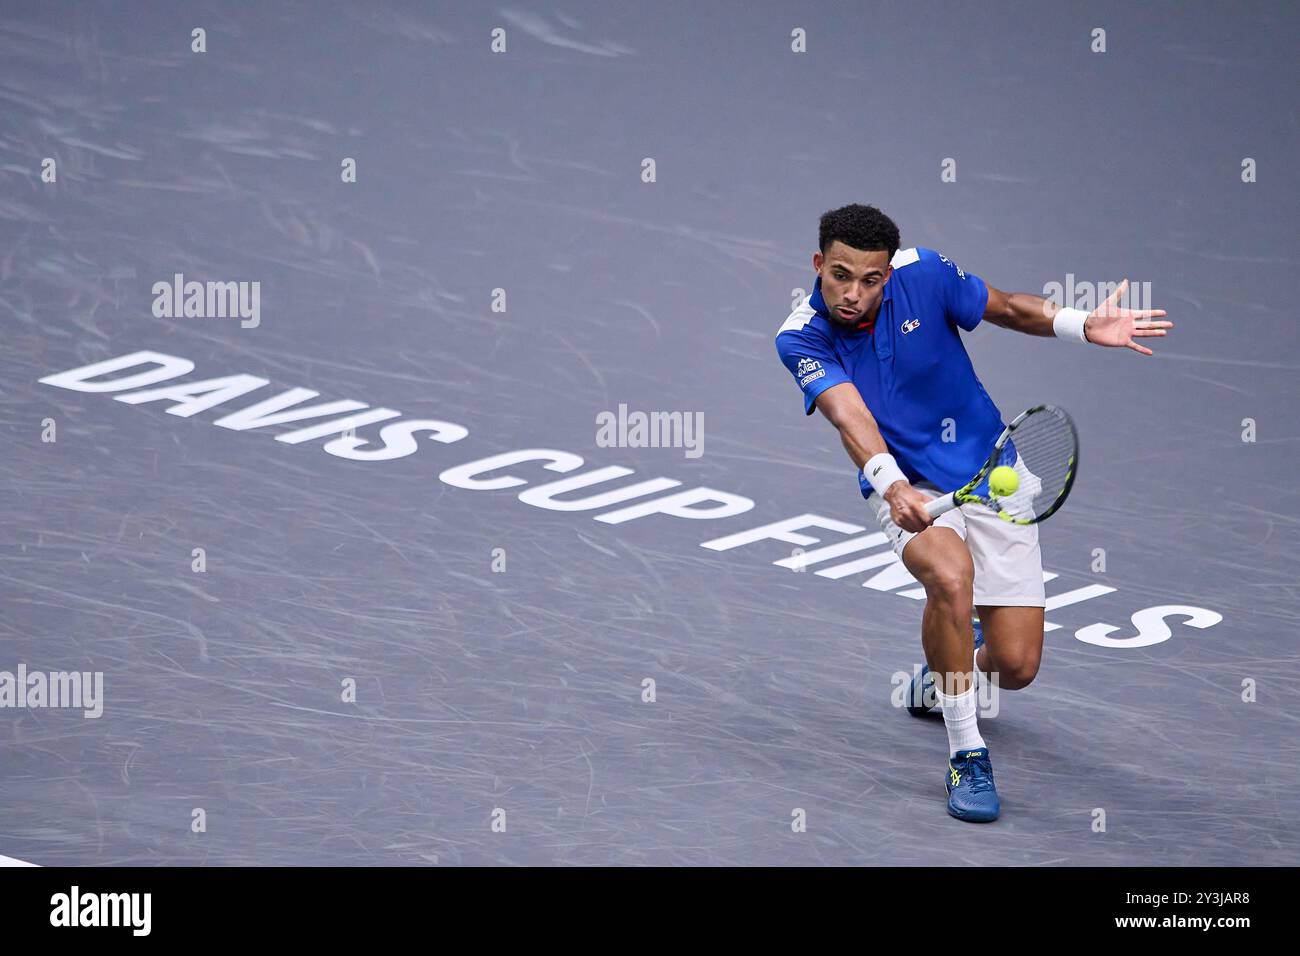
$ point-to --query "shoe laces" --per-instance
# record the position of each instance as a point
(979, 770)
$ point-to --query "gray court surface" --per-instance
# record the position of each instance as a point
(499, 651)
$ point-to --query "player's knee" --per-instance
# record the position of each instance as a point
(951, 584)
(1017, 670)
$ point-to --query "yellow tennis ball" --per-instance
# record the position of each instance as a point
(1003, 481)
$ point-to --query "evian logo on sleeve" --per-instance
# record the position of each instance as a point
(808, 370)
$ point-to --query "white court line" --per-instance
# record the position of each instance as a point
(10, 861)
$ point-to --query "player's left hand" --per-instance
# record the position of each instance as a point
(1117, 327)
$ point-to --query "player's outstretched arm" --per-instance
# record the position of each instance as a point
(1108, 325)
(843, 407)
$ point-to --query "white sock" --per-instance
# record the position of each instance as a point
(959, 718)
(976, 667)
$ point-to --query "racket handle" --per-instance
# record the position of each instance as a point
(937, 506)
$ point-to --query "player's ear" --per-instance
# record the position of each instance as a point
(818, 259)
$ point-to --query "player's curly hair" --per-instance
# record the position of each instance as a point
(862, 227)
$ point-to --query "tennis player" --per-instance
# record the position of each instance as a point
(876, 349)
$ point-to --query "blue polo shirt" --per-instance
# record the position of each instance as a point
(911, 368)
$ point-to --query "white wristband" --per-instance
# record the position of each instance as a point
(882, 471)
(1068, 324)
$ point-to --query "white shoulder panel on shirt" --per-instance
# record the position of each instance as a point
(905, 257)
(801, 316)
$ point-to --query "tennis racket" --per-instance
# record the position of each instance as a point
(1041, 444)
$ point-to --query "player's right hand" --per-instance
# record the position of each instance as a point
(907, 506)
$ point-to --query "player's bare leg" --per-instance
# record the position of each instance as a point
(1013, 644)
(940, 560)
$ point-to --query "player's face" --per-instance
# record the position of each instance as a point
(853, 281)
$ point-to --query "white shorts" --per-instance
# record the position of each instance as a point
(1008, 564)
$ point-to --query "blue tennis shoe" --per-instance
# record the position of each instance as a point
(972, 795)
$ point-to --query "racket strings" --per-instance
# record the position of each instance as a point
(1047, 452)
